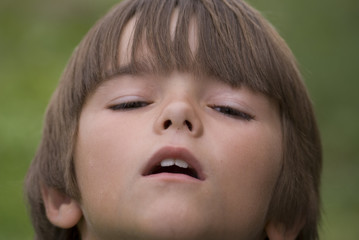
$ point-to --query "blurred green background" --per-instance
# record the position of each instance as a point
(38, 36)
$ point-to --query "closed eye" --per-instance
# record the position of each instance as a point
(232, 112)
(127, 106)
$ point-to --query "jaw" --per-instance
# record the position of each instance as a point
(171, 210)
(177, 210)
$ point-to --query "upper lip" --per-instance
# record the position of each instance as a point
(173, 153)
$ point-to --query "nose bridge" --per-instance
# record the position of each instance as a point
(179, 113)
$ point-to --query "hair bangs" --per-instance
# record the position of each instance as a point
(231, 45)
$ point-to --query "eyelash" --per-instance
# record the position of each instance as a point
(231, 112)
(128, 106)
(225, 110)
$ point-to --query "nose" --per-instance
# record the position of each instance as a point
(179, 116)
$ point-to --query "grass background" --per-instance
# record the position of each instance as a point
(38, 36)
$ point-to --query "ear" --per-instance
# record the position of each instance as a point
(277, 231)
(61, 210)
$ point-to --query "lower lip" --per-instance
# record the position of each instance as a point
(172, 177)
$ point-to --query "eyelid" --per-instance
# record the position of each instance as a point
(127, 99)
(234, 103)
(233, 112)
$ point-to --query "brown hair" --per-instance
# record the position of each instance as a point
(235, 44)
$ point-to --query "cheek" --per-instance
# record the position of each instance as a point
(99, 148)
(107, 144)
(250, 162)
(105, 161)
(254, 163)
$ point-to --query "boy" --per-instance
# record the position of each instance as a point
(178, 119)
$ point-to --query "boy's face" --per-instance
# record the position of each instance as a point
(230, 138)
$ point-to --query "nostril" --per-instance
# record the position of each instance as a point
(189, 125)
(186, 123)
(167, 124)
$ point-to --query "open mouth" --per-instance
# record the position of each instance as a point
(175, 166)
(174, 160)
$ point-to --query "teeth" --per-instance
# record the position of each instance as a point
(171, 162)
(181, 163)
(167, 162)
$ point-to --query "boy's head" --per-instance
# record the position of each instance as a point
(178, 119)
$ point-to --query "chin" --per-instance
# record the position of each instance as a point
(183, 231)
(178, 225)
(175, 224)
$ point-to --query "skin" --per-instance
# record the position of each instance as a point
(235, 135)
